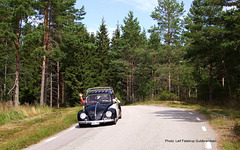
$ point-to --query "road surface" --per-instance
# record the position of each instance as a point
(141, 128)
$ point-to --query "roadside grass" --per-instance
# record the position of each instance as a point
(225, 121)
(24, 111)
(29, 128)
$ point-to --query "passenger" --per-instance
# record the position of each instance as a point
(80, 94)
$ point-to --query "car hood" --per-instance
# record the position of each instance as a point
(99, 109)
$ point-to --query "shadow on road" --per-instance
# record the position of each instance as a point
(93, 126)
(180, 116)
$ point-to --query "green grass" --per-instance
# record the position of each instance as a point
(21, 133)
(21, 112)
(231, 144)
(226, 121)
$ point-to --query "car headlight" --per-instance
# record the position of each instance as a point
(83, 116)
(109, 114)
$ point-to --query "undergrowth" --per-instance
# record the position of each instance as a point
(28, 125)
(10, 113)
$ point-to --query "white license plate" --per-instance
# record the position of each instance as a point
(95, 123)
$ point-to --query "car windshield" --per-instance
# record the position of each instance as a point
(101, 98)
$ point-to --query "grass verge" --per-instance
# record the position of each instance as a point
(225, 121)
(21, 133)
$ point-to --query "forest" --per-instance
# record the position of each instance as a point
(47, 56)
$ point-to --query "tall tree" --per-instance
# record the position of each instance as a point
(168, 15)
(19, 12)
(231, 47)
(103, 47)
(45, 44)
(58, 14)
(203, 31)
(117, 64)
(154, 45)
(132, 39)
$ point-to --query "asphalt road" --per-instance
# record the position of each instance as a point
(141, 128)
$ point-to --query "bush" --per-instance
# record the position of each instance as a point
(165, 95)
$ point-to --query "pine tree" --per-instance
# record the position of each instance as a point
(132, 40)
(168, 15)
(203, 31)
(18, 13)
(58, 14)
(231, 47)
(154, 46)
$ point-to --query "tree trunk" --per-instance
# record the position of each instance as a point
(45, 42)
(228, 82)
(153, 88)
(5, 82)
(4, 106)
(16, 96)
(46, 80)
(43, 82)
(169, 54)
(51, 90)
(58, 84)
(127, 86)
(189, 92)
(211, 83)
(169, 73)
(5, 78)
(62, 90)
(132, 79)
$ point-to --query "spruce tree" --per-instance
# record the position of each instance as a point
(117, 64)
(102, 57)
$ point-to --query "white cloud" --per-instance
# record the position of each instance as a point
(93, 30)
(110, 31)
(144, 5)
(228, 8)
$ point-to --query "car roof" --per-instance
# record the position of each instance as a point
(95, 90)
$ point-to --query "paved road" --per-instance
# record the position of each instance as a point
(141, 128)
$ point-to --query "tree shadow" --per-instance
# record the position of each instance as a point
(181, 116)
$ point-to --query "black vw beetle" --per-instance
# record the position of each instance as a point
(100, 106)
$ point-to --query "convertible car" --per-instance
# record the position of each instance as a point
(100, 106)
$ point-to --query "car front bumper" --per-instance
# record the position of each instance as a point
(96, 122)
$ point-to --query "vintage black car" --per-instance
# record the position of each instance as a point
(101, 106)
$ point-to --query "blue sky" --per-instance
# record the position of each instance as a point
(114, 11)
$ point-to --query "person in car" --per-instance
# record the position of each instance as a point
(81, 98)
(80, 94)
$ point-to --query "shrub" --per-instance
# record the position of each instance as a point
(165, 95)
